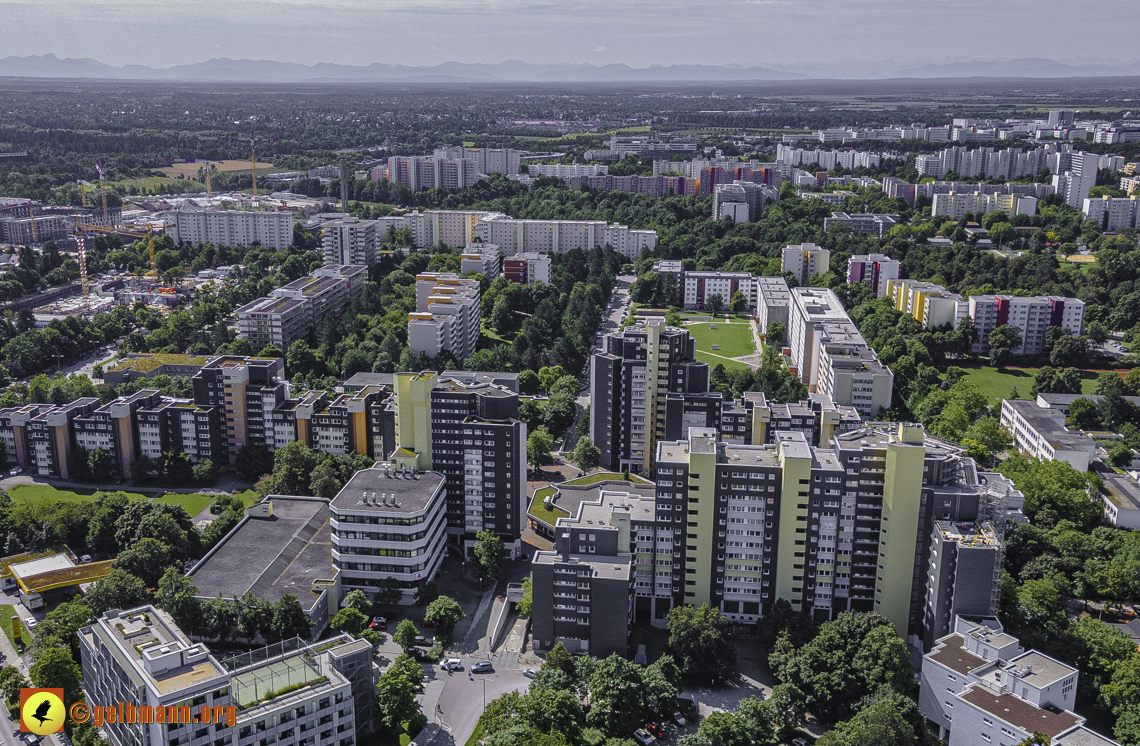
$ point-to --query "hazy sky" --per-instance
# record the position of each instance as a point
(160, 33)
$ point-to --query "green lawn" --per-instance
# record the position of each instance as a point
(999, 384)
(194, 504)
(24, 493)
(595, 478)
(734, 338)
(8, 612)
(541, 512)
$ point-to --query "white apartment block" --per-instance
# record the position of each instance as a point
(431, 227)
(559, 236)
(730, 201)
(349, 241)
(805, 260)
(1031, 316)
(772, 302)
(446, 317)
(874, 269)
(1113, 213)
(827, 160)
(486, 160)
(810, 309)
(273, 320)
(297, 695)
(955, 205)
(700, 286)
(429, 172)
(980, 687)
(1041, 432)
(1074, 187)
(480, 259)
(527, 268)
(231, 227)
(567, 170)
(944, 308)
(849, 372)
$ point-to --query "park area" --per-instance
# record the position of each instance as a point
(723, 343)
(1003, 383)
(193, 503)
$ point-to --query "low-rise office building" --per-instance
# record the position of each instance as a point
(1041, 432)
(875, 224)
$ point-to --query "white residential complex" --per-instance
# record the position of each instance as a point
(955, 205)
(700, 286)
(486, 160)
(231, 227)
(480, 259)
(566, 170)
(828, 160)
(1040, 431)
(1113, 213)
(428, 172)
(463, 227)
(349, 241)
(979, 686)
(874, 269)
(1031, 316)
(559, 236)
(830, 355)
(772, 301)
(291, 311)
(446, 316)
(805, 260)
(931, 304)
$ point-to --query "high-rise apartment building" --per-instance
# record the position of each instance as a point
(957, 204)
(485, 160)
(430, 172)
(873, 223)
(772, 301)
(1031, 316)
(349, 241)
(627, 391)
(514, 235)
(874, 269)
(480, 259)
(446, 317)
(231, 227)
(527, 267)
(291, 311)
(810, 308)
(247, 390)
(805, 260)
(468, 430)
(1113, 213)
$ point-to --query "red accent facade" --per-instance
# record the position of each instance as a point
(515, 270)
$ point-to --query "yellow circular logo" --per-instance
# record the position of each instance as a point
(43, 713)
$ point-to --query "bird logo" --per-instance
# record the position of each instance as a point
(41, 711)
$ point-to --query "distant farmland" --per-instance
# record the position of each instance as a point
(190, 170)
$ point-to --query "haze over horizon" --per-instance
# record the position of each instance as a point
(794, 35)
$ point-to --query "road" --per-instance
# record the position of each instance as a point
(611, 321)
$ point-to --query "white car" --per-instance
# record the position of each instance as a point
(530, 673)
(451, 664)
(642, 736)
(31, 622)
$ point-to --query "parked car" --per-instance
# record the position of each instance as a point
(799, 742)
(481, 667)
(530, 673)
(642, 736)
(451, 664)
(434, 623)
(31, 622)
(84, 559)
(678, 718)
(655, 729)
(378, 623)
(421, 640)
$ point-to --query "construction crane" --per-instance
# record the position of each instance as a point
(81, 249)
(253, 161)
(32, 215)
(150, 242)
(103, 188)
(83, 187)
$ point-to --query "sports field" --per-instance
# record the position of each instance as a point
(999, 384)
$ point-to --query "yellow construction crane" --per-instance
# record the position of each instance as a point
(83, 187)
(81, 249)
(153, 265)
(32, 215)
(253, 161)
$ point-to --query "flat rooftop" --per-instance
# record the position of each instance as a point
(1020, 713)
(954, 656)
(612, 568)
(364, 380)
(1044, 420)
(247, 558)
(369, 489)
(598, 512)
(749, 455)
(968, 534)
(1082, 736)
(43, 564)
(1040, 670)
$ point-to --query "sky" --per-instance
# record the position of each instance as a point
(161, 33)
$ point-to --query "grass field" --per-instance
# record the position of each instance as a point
(999, 384)
(733, 338)
(8, 611)
(25, 493)
(194, 504)
(148, 183)
(191, 169)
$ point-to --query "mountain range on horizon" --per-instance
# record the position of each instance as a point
(514, 71)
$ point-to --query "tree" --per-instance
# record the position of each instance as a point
(488, 552)
(1120, 456)
(446, 611)
(714, 304)
(886, 718)
(738, 303)
(349, 620)
(660, 685)
(1003, 341)
(539, 444)
(1097, 332)
(775, 334)
(405, 634)
(426, 593)
(56, 669)
(252, 461)
(177, 596)
(559, 659)
(698, 641)
(1084, 414)
(100, 465)
(61, 626)
(355, 599)
(615, 696)
(204, 471)
(396, 704)
(1069, 351)
(119, 590)
(290, 620)
(585, 454)
(147, 559)
(388, 593)
(852, 654)
(408, 667)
